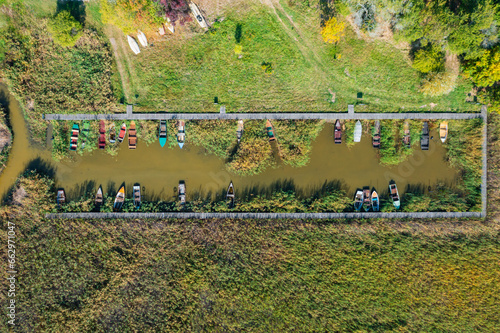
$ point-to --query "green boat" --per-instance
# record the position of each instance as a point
(85, 133)
(163, 132)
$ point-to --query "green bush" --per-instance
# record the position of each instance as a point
(65, 29)
(429, 59)
(437, 84)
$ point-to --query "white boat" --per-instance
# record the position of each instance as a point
(182, 192)
(198, 16)
(239, 130)
(357, 131)
(169, 25)
(142, 38)
(133, 45)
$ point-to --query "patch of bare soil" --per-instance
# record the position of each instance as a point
(18, 196)
(5, 137)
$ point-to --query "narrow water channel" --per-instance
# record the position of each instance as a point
(159, 170)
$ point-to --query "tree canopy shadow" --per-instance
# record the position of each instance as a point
(75, 8)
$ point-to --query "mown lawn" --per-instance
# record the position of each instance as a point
(185, 71)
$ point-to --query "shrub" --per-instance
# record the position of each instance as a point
(267, 67)
(437, 84)
(429, 59)
(484, 71)
(65, 29)
(333, 30)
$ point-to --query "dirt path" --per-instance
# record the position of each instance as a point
(125, 83)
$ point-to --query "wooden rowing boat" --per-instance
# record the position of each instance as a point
(394, 194)
(239, 130)
(366, 198)
(120, 198)
(61, 196)
(443, 131)
(337, 133)
(181, 134)
(132, 136)
(376, 135)
(182, 192)
(270, 131)
(85, 133)
(102, 135)
(424, 138)
(163, 133)
(98, 197)
(142, 38)
(406, 136)
(133, 45)
(358, 130)
(112, 134)
(123, 130)
(73, 144)
(137, 195)
(375, 201)
(230, 194)
(358, 200)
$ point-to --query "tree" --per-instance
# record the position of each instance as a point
(65, 29)
(437, 84)
(485, 70)
(333, 30)
(428, 59)
(176, 10)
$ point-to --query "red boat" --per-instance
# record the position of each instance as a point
(338, 132)
(123, 130)
(102, 135)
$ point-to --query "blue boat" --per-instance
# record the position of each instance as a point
(375, 201)
(163, 132)
(358, 200)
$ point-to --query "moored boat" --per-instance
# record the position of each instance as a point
(406, 136)
(85, 133)
(198, 16)
(376, 135)
(99, 197)
(230, 194)
(239, 130)
(132, 136)
(443, 131)
(137, 195)
(102, 135)
(181, 133)
(112, 134)
(123, 130)
(358, 200)
(375, 201)
(357, 131)
(142, 38)
(366, 198)
(61, 196)
(338, 132)
(182, 192)
(394, 194)
(120, 198)
(270, 131)
(133, 45)
(163, 133)
(168, 24)
(73, 144)
(424, 138)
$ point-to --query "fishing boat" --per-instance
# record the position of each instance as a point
(137, 195)
(366, 198)
(120, 198)
(123, 130)
(338, 132)
(197, 14)
(85, 133)
(406, 136)
(375, 201)
(230, 194)
(163, 133)
(424, 138)
(133, 45)
(376, 135)
(61, 196)
(393, 192)
(358, 200)
(443, 131)
(357, 131)
(98, 197)
(181, 134)
(239, 130)
(102, 135)
(132, 136)
(182, 192)
(73, 144)
(112, 134)
(142, 38)
(270, 131)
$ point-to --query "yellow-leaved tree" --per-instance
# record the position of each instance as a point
(333, 30)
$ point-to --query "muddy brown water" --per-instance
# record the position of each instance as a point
(158, 170)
